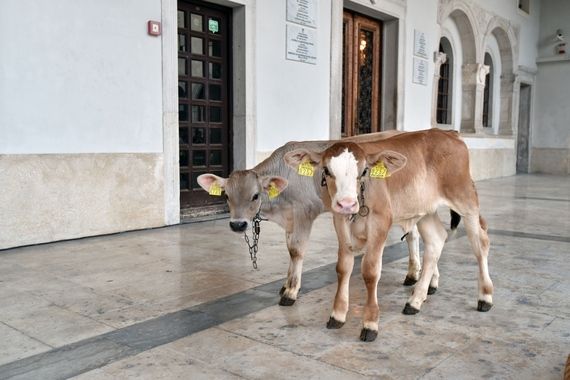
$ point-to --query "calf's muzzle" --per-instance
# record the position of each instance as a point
(238, 226)
(346, 205)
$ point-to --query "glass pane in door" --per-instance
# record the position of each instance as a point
(365, 72)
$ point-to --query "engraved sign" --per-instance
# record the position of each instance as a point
(420, 71)
(302, 12)
(301, 44)
(420, 44)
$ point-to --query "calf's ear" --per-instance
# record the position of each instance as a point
(393, 161)
(295, 157)
(279, 183)
(207, 180)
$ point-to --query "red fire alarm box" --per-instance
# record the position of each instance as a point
(154, 28)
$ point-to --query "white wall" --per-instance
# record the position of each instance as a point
(292, 97)
(553, 80)
(420, 15)
(79, 76)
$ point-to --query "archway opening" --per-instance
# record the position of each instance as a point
(445, 84)
(488, 93)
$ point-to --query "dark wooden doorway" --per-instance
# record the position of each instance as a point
(204, 93)
(362, 39)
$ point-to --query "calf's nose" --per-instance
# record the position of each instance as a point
(238, 226)
(347, 204)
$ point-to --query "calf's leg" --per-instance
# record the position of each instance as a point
(414, 265)
(477, 233)
(297, 241)
(434, 235)
(371, 270)
(413, 240)
(344, 268)
(434, 283)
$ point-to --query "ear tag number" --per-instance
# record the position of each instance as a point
(306, 169)
(273, 191)
(379, 171)
(215, 189)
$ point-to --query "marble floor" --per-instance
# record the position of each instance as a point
(183, 302)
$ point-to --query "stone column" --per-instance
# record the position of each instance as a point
(506, 117)
(472, 91)
(439, 59)
(482, 72)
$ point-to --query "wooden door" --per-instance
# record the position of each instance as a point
(204, 98)
(361, 74)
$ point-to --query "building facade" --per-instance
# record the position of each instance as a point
(124, 114)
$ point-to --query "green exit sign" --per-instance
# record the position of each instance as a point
(213, 26)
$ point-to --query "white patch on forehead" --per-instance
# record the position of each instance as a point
(344, 165)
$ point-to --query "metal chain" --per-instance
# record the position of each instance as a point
(364, 210)
(255, 230)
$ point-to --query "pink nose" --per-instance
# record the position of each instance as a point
(346, 204)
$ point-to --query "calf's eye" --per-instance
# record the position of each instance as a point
(255, 197)
(326, 170)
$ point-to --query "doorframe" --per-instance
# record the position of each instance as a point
(170, 111)
(388, 13)
(243, 105)
(524, 76)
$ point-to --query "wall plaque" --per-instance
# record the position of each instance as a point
(420, 73)
(420, 44)
(302, 12)
(301, 44)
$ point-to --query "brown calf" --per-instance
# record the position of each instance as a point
(402, 180)
(295, 208)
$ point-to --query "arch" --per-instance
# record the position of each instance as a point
(467, 36)
(507, 40)
(503, 33)
(462, 16)
(444, 106)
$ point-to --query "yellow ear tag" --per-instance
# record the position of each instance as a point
(215, 189)
(379, 171)
(273, 191)
(306, 169)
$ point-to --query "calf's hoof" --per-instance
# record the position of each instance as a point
(286, 301)
(410, 310)
(409, 281)
(432, 290)
(282, 291)
(367, 335)
(484, 306)
(334, 324)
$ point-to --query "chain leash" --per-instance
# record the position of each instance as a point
(255, 230)
(364, 210)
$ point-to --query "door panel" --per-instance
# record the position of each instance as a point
(204, 98)
(361, 70)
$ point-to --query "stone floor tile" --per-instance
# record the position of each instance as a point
(158, 365)
(491, 357)
(46, 322)
(255, 360)
(15, 345)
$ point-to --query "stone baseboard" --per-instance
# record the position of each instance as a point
(492, 163)
(550, 161)
(51, 197)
